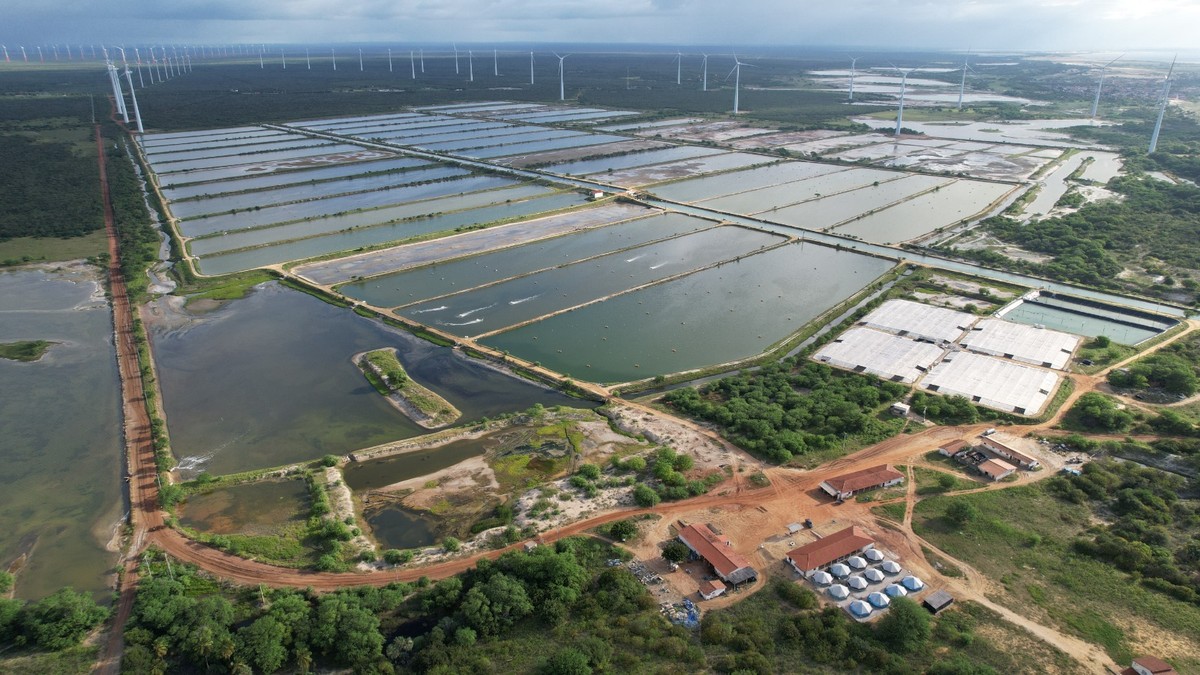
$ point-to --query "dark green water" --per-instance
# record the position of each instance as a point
(60, 487)
(377, 473)
(252, 508)
(268, 380)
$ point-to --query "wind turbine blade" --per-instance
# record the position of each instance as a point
(735, 67)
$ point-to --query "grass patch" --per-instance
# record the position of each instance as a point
(388, 376)
(66, 662)
(943, 566)
(28, 350)
(1023, 538)
(930, 482)
(894, 511)
(22, 250)
(880, 495)
(232, 287)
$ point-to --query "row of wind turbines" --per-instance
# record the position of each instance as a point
(1162, 101)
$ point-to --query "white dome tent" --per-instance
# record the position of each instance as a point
(839, 570)
(890, 566)
(873, 575)
(879, 599)
(857, 583)
(856, 562)
(861, 609)
(822, 578)
(839, 591)
(913, 583)
(895, 591)
(874, 555)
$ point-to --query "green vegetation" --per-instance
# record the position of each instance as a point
(54, 623)
(1151, 228)
(220, 289)
(53, 191)
(893, 511)
(383, 370)
(137, 237)
(794, 408)
(29, 350)
(1174, 369)
(662, 477)
(1045, 551)
(1097, 412)
(1102, 352)
(948, 410)
(930, 482)
(22, 250)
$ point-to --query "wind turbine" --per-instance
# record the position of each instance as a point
(853, 72)
(55, 49)
(136, 112)
(495, 63)
(389, 59)
(5, 53)
(333, 57)
(530, 68)
(562, 92)
(23, 54)
(962, 85)
(1162, 108)
(360, 65)
(261, 65)
(283, 58)
(422, 54)
(1100, 85)
(678, 67)
(737, 80)
(471, 64)
(705, 73)
(307, 58)
(41, 58)
(455, 58)
(138, 55)
(412, 62)
(903, 89)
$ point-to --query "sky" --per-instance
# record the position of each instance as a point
(981, 25)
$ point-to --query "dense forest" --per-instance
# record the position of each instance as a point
(558, 610)
(789, 409)
(50, 190)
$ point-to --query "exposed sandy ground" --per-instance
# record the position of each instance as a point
(785, 138)
(341, 505)
(952, 301)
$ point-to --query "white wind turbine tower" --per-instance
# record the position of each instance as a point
(389, 59)
(138, 55)
(41, 58)
(455, 58)
(1162, 108)
(23, 54)
(283, 58)
(360, 65)
(136, 112)
(412, 63)
(307, 58)
(678, 67)
(495, 63)
(705, 73)
(853, 72)
(562, 91)
(118, 96)
(68, 46)
(421, 53)
(471, 64)
(333, 57)
(903, 89)
(54, 48)
(737, 80)
(531, 68)
(962, 85)
(261, 65)
(5, 53)
(1100, 85)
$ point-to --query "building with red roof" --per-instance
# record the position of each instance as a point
(825, 551)
(718, 552)
(845, 486)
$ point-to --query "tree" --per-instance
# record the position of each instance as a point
(568, 661)
(589, 471)
(496, 604)
(905, 626)
(946, 481)
(961, 512)
(644, 495)
(622, 530)
(61, 620)
(676, 551)
(261, 644)
(1095, 411)
(451, 545)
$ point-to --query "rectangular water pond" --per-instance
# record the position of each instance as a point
(819, 214)
(315, 149)
(383, 234)
(779, 196)
(719, 315)
(509, 137)
(263, 168)
(151, 150)
(290, 178)
(296, 142)
(710, 187)
(1088, 318)
(604, 164)
(645, 175)
(333, 205)
(284, 194)
(492, 308)
(415, 285)
(949, 205)
(579, 140)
